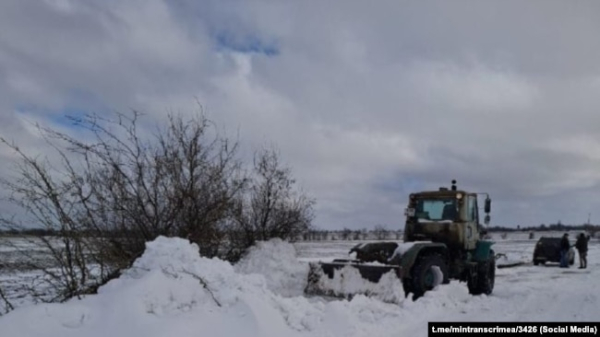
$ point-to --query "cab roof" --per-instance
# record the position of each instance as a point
(440, 193)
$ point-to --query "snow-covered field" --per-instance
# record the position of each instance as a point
(171, 291)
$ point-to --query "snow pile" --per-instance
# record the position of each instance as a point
(277, 261)
(169, 291)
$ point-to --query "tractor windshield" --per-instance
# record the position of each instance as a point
(436, 210)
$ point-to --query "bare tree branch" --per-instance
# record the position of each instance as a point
(205, 285)
(8, 306)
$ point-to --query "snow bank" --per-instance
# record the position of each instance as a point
(169, 291)
(277, 261)
(172, 291)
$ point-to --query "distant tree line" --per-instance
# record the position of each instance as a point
(544, 228)
(378, 232)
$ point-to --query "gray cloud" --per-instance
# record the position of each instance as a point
(367, 102)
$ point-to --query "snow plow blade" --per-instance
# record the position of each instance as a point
(347, 278)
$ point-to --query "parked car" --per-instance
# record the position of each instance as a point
(548, 250)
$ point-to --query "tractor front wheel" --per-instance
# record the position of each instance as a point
(430, 271)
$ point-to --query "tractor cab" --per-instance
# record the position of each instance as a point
(448, 216)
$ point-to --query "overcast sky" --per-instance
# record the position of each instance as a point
(366, 100)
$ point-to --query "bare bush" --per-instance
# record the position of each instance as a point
(272, 208)
(118, 187)
(47, 201)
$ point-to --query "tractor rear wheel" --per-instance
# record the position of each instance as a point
(426, 274)
(486, 275)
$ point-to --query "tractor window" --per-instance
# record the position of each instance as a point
(471, 209)
(436, 209)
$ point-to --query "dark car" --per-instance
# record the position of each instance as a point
(548, 250)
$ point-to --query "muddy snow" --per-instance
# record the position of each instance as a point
(171, 291)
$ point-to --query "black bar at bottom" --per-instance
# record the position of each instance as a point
(506, 329)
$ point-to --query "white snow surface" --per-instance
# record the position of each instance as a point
(277, 261)
(163, 295)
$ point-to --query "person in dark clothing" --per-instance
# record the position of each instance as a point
(564, 251)
(582, 246)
